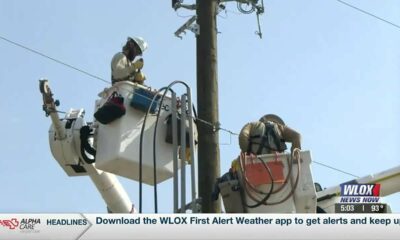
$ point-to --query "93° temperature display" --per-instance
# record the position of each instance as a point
(360, 208)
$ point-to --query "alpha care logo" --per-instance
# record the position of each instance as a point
(10, 223)
(28, 224)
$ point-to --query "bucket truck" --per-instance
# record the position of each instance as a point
(141, 144)
(266, 183)
(283, 183)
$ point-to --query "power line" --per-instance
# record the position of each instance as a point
(215, 127)
(336, 169)
(368, 13)
(53, 59)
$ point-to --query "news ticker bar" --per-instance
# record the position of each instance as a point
(199, 226)
(360, 208)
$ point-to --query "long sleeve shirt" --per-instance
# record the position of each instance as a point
(121, 68)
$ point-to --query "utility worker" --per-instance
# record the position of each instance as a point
(123, 66)
(268, 135)
(287, 134)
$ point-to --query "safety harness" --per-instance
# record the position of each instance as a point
(270, 139)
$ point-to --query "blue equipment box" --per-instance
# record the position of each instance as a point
(142, 98)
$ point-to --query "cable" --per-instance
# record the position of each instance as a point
(168, 88)
(141, 155)
(368, 13)
(267, 195)
(336, 169)
(215, 128)
(154, 145)
(297, 178)
(53, 59)
(264, 200)
(236, 134)
(243, 10)
(196, 118)
(184, 16)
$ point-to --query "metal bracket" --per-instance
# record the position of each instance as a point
(189, 25)
(249, 6)
(186, 6)
(195, 209)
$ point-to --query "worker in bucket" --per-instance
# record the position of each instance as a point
(125, 66)
(268, 135)
(288, 134)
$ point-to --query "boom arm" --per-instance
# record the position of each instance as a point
(64, 137)
(389, 181)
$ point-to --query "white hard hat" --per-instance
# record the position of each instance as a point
(273, 118)
(140, 42)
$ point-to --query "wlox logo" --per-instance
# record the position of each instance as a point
(359, 193)
(10, 223)
(360, 190)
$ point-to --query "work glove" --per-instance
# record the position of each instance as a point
(139, 77)
(138, 64)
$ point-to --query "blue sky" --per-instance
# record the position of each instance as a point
(329, 71)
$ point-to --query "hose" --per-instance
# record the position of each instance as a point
(267, 196)
(294, 187)
(248, 185)
(168, 88)
(85, 145)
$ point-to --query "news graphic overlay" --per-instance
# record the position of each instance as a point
(360, 198)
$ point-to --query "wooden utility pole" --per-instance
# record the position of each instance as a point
(207, 103)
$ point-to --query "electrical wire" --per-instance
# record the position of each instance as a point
(215, 128)
(96, 77)
(196, 118)
(154, 146)
(290, 164)
(200, 120)
(117, 88)
(168, 88)
(184, 16)
(91, 75)
(254, 189)
(294, 187)
(368, 13)
(243, 165)
(259, 202)
(243, 10)
(141, 155)
(267, 195)
(54, 59)
(336, 169)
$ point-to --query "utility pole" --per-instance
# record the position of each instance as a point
(205, 29)
(207, 103)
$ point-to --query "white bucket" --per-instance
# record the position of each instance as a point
(118, 141)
